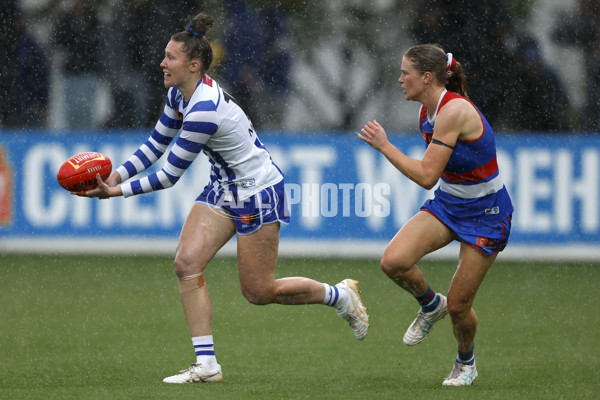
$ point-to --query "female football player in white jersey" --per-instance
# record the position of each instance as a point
(471, 204)
(245, 195)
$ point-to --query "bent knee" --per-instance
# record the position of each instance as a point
(394, 264)
(259, 297)
(458, 308)
(185, 264)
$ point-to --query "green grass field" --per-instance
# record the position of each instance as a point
(113, 328)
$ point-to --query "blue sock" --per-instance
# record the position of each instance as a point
(467, 358)
(429, 301)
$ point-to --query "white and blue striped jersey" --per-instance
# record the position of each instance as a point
(210, 122)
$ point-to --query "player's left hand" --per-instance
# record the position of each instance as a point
(374, 134)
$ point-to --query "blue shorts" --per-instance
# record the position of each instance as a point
(265, 207)
(487, 238)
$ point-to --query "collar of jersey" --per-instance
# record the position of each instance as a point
(185, 103)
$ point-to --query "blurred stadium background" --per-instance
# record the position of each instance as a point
(84, 75)
(533, 64)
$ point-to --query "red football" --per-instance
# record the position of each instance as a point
(78, 173)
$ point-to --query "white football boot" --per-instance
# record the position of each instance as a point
(196, 373)
(354, 312)
(423, 324)
(461, 375)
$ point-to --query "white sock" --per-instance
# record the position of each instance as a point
(205, 351)
(334, 297)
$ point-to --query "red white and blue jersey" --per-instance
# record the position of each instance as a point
(470, 189)
(210, 122)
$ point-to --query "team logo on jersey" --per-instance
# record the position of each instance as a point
(427, 136)
(207, 81)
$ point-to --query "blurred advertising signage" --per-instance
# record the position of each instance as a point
(6, 189)
(338, 188)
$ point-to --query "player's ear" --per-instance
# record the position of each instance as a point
(195, 66)
(427, 77)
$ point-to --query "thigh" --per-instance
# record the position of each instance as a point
(421, 235)
(257, 257)
(472, 269)
(204, 232)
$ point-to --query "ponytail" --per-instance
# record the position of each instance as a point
(456, 80)
(195, 44)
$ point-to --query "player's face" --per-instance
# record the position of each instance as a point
(411, 80)
(175, 66)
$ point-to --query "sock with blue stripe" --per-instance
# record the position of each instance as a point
(429, 301)
(467, 358)
(205, 351)
(334, 297)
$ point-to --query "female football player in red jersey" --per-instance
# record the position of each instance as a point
(245, 196)
(471, 204)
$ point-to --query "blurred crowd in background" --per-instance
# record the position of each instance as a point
(298, 65)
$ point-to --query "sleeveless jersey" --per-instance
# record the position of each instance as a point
(470, 188)
(210, 122)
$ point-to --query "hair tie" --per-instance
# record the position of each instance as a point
(450, 63)
(193, 32)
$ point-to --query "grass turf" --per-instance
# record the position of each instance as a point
(112, 327)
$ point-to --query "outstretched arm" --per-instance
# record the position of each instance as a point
(425, 172)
